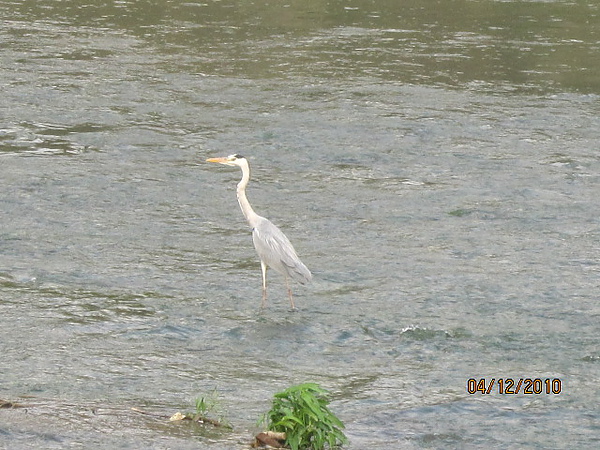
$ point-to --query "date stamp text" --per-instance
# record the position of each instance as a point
(527, 386)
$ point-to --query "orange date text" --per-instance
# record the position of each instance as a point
(527, 386)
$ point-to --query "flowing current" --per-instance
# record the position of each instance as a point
(435, 164)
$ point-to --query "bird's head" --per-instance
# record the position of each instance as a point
(231, 160)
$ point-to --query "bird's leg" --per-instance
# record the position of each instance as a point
(263, 268)
(287, 283)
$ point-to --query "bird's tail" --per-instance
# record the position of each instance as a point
(300, 273)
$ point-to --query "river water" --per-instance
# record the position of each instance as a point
(436, 165)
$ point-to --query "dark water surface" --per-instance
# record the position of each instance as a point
(436, 165)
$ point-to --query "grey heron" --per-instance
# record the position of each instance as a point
(273, 247)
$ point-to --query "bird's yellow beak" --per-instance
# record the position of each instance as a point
(217, 160)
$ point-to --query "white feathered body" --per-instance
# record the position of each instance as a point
(276, 250)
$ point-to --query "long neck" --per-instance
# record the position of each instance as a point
(249, 213)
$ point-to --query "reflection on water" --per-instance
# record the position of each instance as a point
(517, 45)
(435, 164)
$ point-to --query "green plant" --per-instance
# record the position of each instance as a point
(301, 413)
(208, 410)
(205, 405)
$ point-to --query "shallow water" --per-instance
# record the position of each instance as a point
(436, 167)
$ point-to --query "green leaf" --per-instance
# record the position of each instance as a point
(301, 412)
